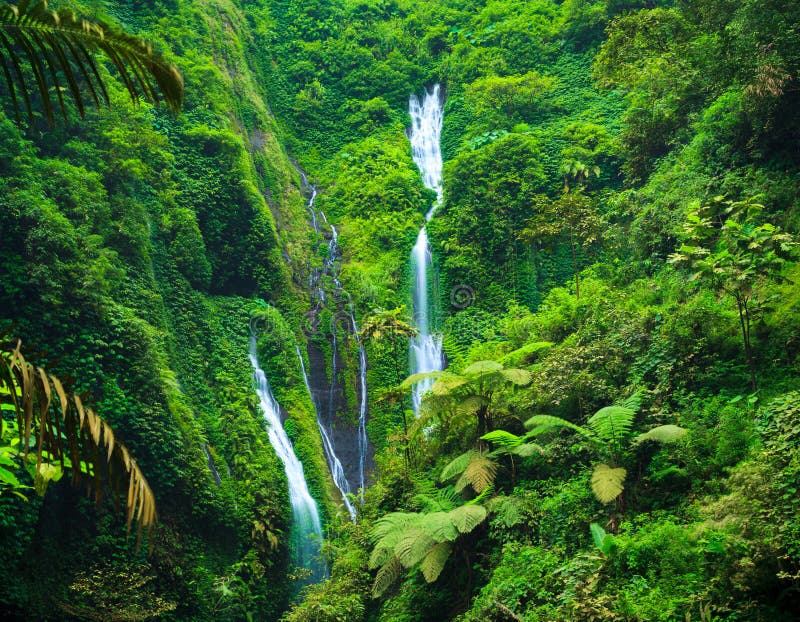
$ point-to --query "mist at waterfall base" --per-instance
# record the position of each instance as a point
(425, 348)
(306, 530)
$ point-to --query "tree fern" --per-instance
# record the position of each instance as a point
(440, 525)
(502, 438)
(50, 52)
(414, 545)
(508, 443)
(519, 377)
(457, 465)
(482, 368)
(406, 540)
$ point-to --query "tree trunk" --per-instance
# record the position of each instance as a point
(575, 265)
(744, 321)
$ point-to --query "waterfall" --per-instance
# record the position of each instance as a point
(339, 298)
(306, 526)
(362, 409)
(425, 132)
(211, 466)
(334, 464)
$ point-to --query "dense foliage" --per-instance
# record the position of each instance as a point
(616, 434)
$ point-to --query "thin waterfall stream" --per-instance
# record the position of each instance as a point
(335, 465)
(348, 474)
(425, 351)
(306, 525)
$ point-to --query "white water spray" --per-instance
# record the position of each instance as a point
(425, 133)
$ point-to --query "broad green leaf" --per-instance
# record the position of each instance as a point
(607, 482)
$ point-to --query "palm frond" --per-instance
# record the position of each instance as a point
(50, 52)
(53, 422)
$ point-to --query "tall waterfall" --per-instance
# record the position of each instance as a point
(334, 464)
(425, 132)
(306, 526)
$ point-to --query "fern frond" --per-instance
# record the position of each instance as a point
(471, 404)
(519, 377)
(434, 561)
(482, 368)
(662, 434)
(457, 465)
(467, 517)
(442, 500)
(502, 438)
(607, 482)
(390, 523)
(540, 424)
(526, 450)
(479, 473)
(413, 547)
(633, 402)
(612, 423)
(388, 574)
(440, 526)
(415, 378)
(445, 385)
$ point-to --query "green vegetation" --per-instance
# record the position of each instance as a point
(615, 436)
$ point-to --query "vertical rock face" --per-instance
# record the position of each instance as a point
(332, 377)
(335, 413)
(425, 133)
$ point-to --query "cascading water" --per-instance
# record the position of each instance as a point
(306, 526)
(338, 298)
(362, 409)
(425, 132)
(211, 466)
(334, 464)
